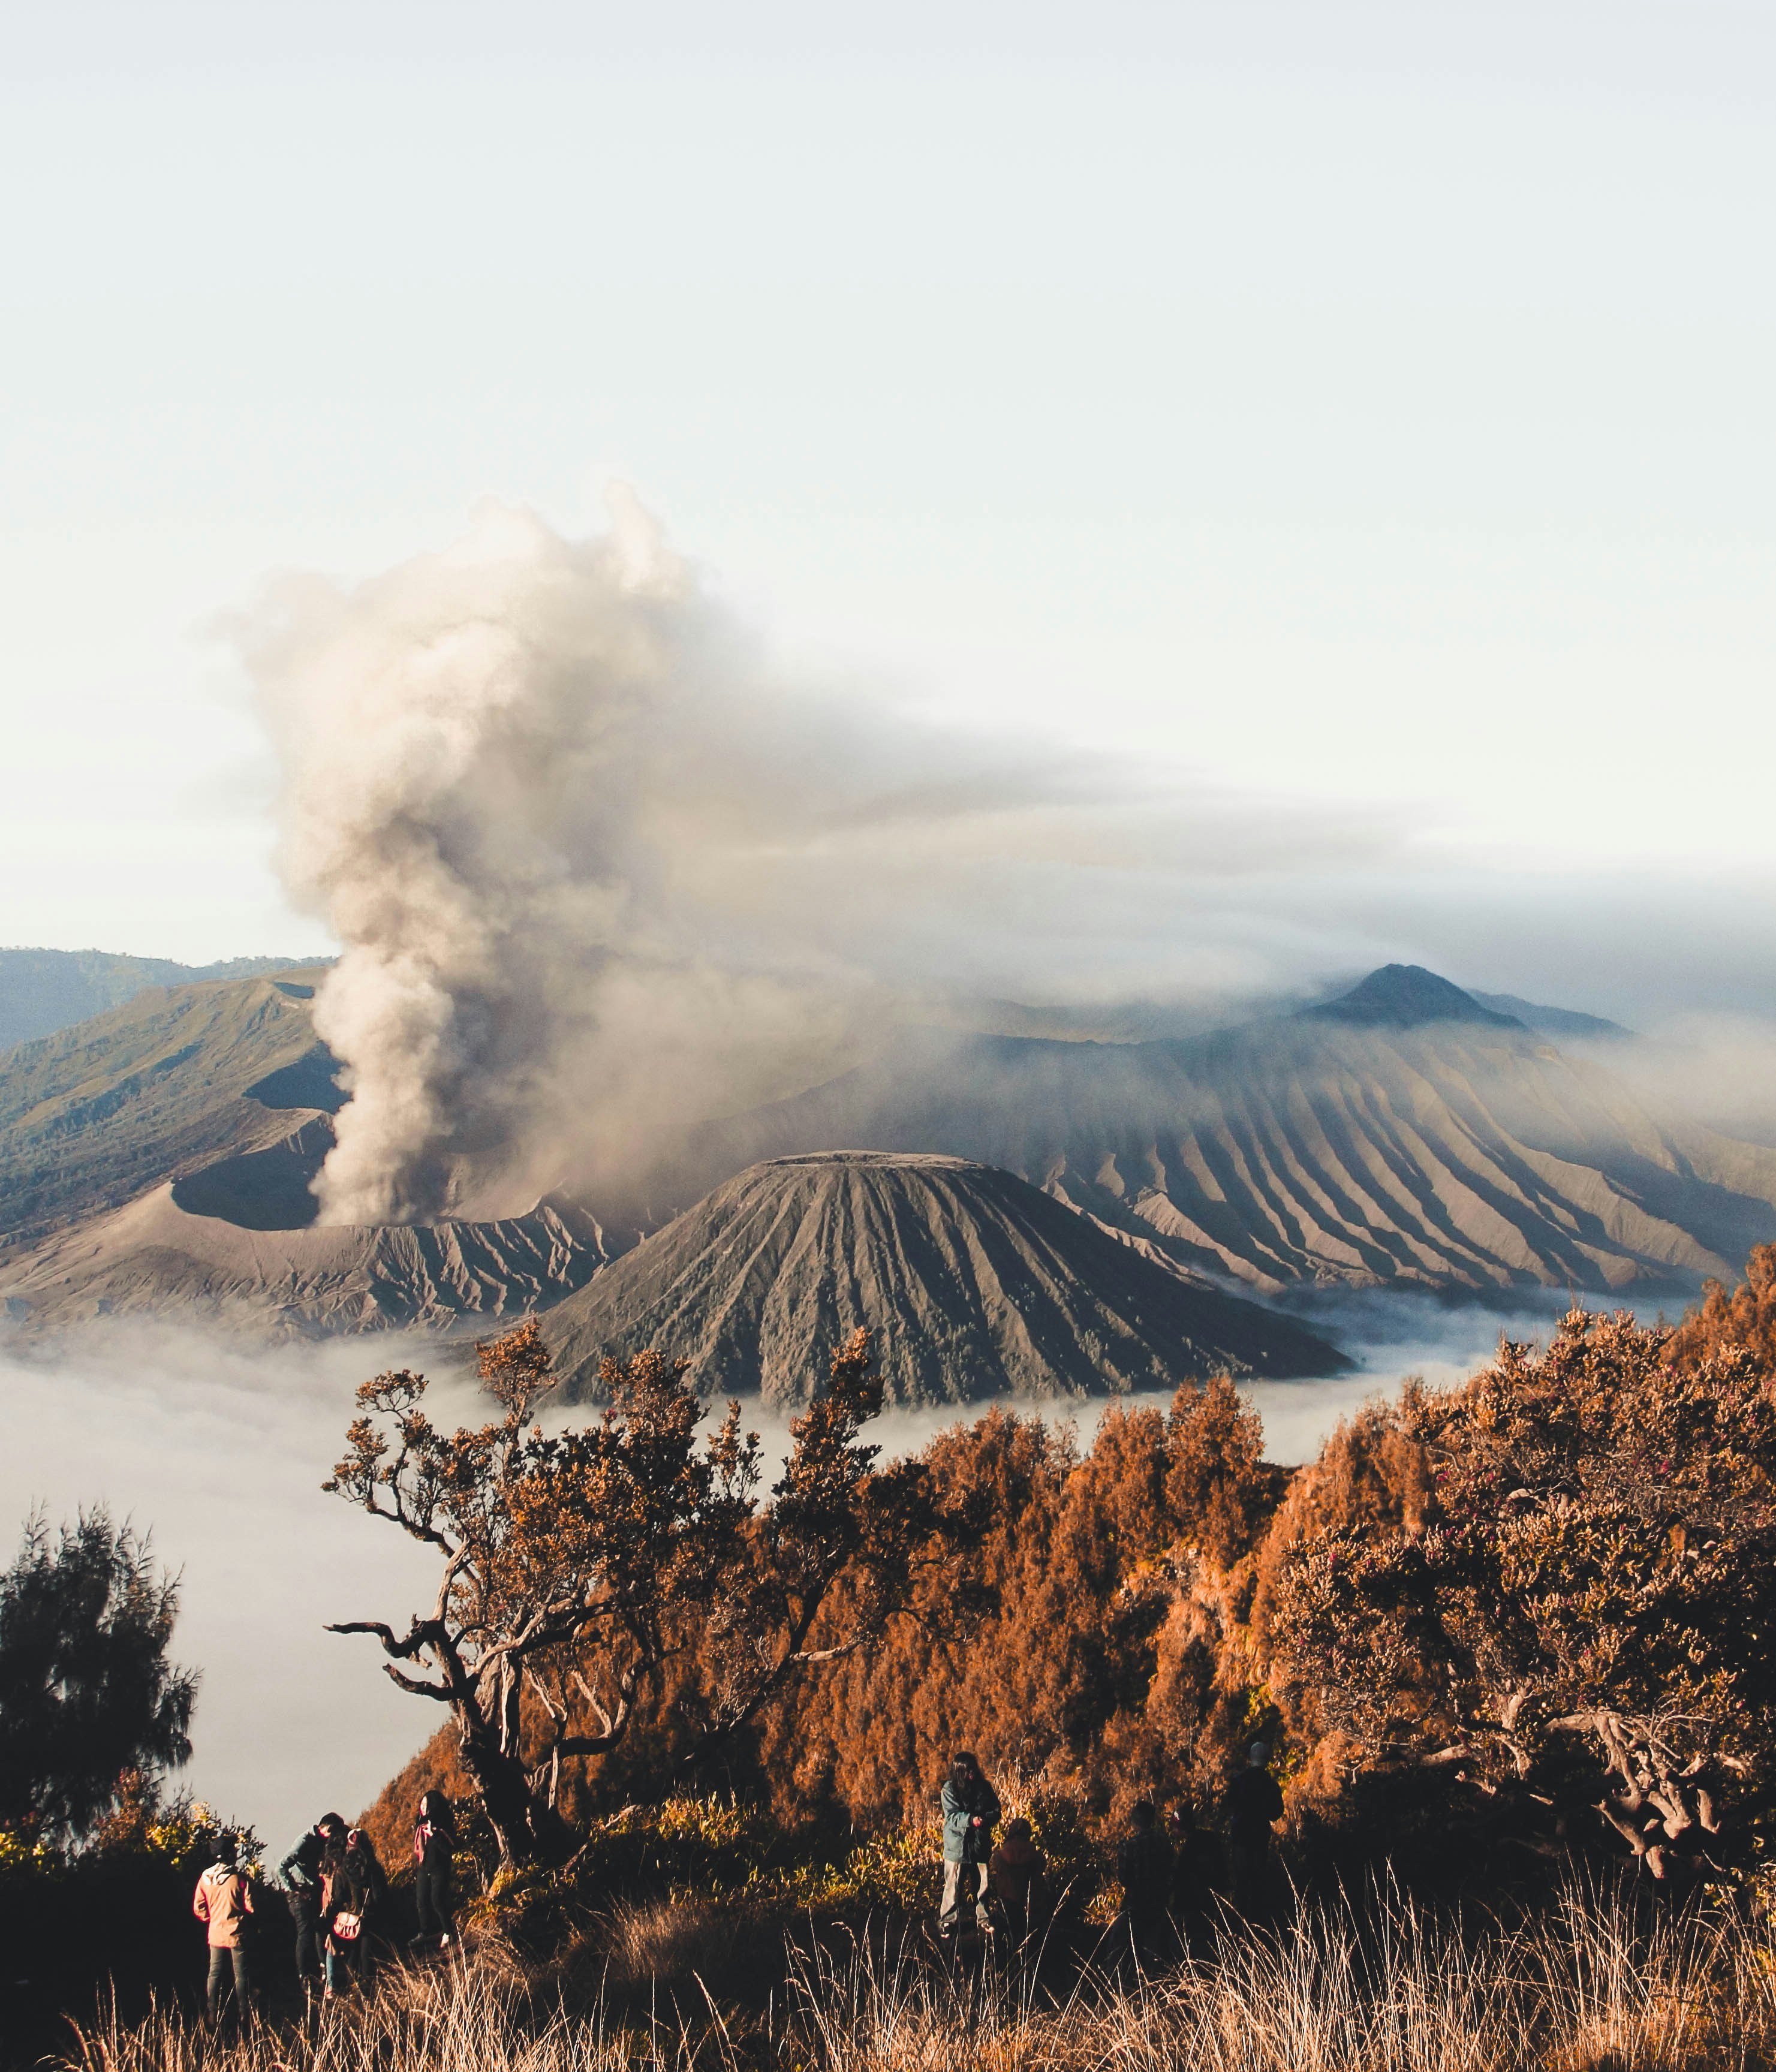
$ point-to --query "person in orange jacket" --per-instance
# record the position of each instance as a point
(224, 1903)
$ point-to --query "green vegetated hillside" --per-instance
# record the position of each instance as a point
(975, 1284)
(171, 1082)
(157, 1160)
(43, 990)
(1404, 1135)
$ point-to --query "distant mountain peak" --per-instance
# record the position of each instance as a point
(1403, 996)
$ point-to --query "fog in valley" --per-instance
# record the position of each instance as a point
(220, 1449)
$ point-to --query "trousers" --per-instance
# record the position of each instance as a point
(304, 1910)
(228, 1968)
(432, 1896)
(962, 1883)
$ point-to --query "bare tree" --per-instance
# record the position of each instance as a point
(549, 1543)
(575, 1564)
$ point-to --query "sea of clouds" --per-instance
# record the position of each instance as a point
(220, 1450)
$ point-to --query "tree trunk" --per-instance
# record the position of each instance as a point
(523, 1828)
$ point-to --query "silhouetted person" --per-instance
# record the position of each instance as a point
(300, 1876)
(224, 1903)
(1252, 1805)
(1195, 1862)
(434, 1842)
(1143, 1864)
(1018, 1873)
(971, 1807)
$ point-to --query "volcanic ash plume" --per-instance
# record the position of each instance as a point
(596, 871)
(507, 767)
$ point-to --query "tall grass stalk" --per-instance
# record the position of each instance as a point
(1594, 1985)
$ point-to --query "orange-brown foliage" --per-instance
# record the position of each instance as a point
(1084, 1644)
(1745, 1320)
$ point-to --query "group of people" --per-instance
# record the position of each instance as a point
(1161, 1866)
(338, 1898)
(337, 1893)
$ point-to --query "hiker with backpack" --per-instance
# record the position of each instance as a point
(224, 1903)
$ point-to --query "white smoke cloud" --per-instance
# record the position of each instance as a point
(595, 867)
(504, 766)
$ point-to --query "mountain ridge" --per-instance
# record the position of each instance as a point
(1455, 1148)
(42, 990)
(1414, 1137)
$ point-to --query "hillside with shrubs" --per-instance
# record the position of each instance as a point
(1523, 1620)
(1509, 1645)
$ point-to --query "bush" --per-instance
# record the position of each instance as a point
(113, 1917)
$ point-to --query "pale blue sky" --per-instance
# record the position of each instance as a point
(1366, 405)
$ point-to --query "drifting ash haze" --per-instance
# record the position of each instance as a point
(600, 870)
(596, 871)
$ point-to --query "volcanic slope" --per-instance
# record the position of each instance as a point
(1404, 1134)
(976, 1285)
(157, 1159)
(174, 1080)
(43, 990)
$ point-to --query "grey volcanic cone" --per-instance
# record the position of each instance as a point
(977, 1284)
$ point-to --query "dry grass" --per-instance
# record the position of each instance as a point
(1590, 1989)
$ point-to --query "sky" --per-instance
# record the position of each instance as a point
(1350, 409)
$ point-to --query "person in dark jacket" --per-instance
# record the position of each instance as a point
(434, 1843)
(971, 1811)
(1252, 1806)
(355, 1890)
(1196, 1875)
(1018, 1872)
(300, 1876)
(1143, 1864)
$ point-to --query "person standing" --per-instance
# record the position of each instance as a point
(1018, 1872)
(1253, 1804)
(1143, 1864)
(434, 1843)
(300, 1876)
(970, 1809)
(224, 1903)
(1195, 1878)
(354, 1889)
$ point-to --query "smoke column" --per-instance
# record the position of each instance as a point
(484, 753)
